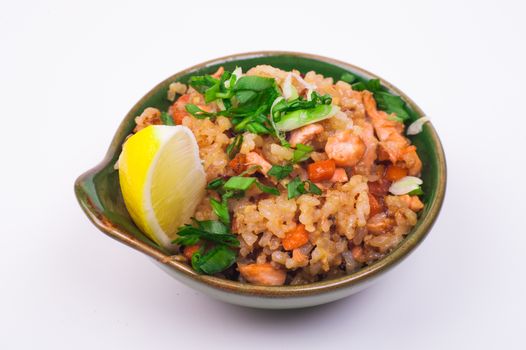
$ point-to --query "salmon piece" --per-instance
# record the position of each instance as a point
(364, 167)
(295, 238)
(262, 274)
(305, 134)
(340, 175)
(239, 163)
(345, 148)
(394, 145)
(253, 158)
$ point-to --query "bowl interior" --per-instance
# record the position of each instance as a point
(98, 190)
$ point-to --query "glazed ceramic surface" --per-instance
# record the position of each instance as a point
(99, 195)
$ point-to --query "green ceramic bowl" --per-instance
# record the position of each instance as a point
(99, 195)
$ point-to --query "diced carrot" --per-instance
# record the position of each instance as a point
(190, 250)
(322, 170)
(375, 206)
(395, 173)
(295, 238)
(239, 163)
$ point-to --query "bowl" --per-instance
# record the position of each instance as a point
(98, 193)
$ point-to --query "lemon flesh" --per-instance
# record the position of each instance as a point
(162, 180)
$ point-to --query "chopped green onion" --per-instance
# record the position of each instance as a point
(198, 112)
(221, 210)
(233, 148)
(301, 153)
(405, 185)
(302, 117)
(239, 183)
(416, 192)
(267, 189)
(313, 188)
(216, 183)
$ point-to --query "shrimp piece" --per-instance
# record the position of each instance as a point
(305, 134)
(263, 274)
(339, 176)
(364, 167)
(253, 158)
(150, 116)
(413, 202)
(345, 148)
(394, 145)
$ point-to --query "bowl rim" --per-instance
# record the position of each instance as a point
(366, 273)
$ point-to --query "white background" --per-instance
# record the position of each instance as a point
(69, 72)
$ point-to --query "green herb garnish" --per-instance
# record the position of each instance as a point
(221, 209)
(296, 188)
(239, 183)
(214, 261)
(233, 148)
(216, 183)
(267, 189)
(301, 153)
(290, 115)
(220, 256)
(385, 101)
(167, 119)
(248, 102)
(280, 172)
(198, 112)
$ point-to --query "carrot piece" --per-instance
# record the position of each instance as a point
(295, 238)
(376, 207)
(395, 173)
(322, 170)
(239, 163)
(190, 250)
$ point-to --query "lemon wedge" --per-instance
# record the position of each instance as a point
(162, 180)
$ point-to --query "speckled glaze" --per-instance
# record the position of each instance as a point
(99, 195)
